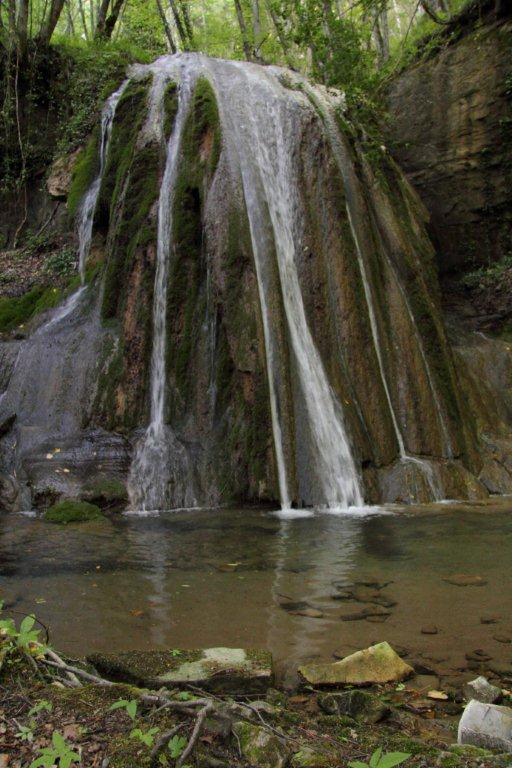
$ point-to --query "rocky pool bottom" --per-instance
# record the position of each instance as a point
(435, 582)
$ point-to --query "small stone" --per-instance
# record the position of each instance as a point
(360, 705)
(259, 747)
(366, 613)
(501, 669)
(309, 613)
(429, 629)
(490, 619)
(486, 725)
(502, 639)
(478, 655)
(377, 664)
(465, 580)
(482, 690)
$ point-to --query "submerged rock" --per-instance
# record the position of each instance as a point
(482, 690)
(71, 511)
(226, 670)
(486, 725)
(377, 664)
(259, 747)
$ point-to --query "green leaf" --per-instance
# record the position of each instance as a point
(391, 759)
(176, 746)
(375, 758)
(27, 624)
(131, 708)
(40, 706)
(184, 696)
(121, 704)
(59, 741)
(358, 764)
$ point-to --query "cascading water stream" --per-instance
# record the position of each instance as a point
(342, 158)
(265, 137)
(87, 208)
(151, 467)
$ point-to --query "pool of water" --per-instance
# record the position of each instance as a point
(221, 577)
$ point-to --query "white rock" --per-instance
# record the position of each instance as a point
(482, 690)
(486, 725)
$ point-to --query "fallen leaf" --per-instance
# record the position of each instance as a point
(438, 695)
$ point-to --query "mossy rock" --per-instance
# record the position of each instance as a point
(226, 670)
(106, 493)
(259, 747)
(71, 511)
(18, 310)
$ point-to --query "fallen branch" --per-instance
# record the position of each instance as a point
(162, 742)
(198, 727)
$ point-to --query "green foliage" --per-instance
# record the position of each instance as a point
(130, 706)
(59, 752)
(62, 263)
(16, 311)
(71, 511)
(176, 746)
(484, 277)
(146, 737)
(42, 706)
(382, 760)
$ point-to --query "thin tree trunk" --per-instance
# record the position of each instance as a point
(101, 19)
(186, 18)
(70, 23)
(22, 26)
(83, 19)
(167, 29)
(50, 22)
(179, 25)
(243, 30)
(256, 23)
(425, 4)
(279, 32)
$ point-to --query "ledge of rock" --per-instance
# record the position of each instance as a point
(220, 670)
(377, 664)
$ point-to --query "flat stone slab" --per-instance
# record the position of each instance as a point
(220, 670)
(486, 725)
(377, 664)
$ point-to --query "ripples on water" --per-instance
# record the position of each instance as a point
(218, 577)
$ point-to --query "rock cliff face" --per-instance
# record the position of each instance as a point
(451, 132)
(262, 293)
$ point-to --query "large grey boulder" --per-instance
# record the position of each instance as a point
(482, 690)
(377, 664)
(486, 725)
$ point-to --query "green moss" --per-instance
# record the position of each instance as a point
(170, 107)
(72, 512)
(17, 311)
(84, 172)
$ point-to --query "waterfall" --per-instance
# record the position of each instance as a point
(85, 217)
(264, 134)
(158, 453)
(341, 154)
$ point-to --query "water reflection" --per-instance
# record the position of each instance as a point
(220, 578)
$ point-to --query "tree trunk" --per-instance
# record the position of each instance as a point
(82, 17)
(50, 22)
(179, 25)
(279, 32)
(429, 10)
(112, 18)
(256, 23)
(167, 29)
(186, 18)
(243, 30)
(101, 19)
(22, 26)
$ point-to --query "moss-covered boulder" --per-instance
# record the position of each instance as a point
(72, 511)
(259, 747)
(377, 664)
(357, 704)
(106, 492)
(225, 670)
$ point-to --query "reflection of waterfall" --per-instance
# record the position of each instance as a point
(87, 208)
(159, 455)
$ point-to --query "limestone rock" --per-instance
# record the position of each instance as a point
(486, 725)
(222, 670)
(377, 664)
(59, 180)
(357, 704)
(482, 690)
(259, 747)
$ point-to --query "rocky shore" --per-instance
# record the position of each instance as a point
(220, 708)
